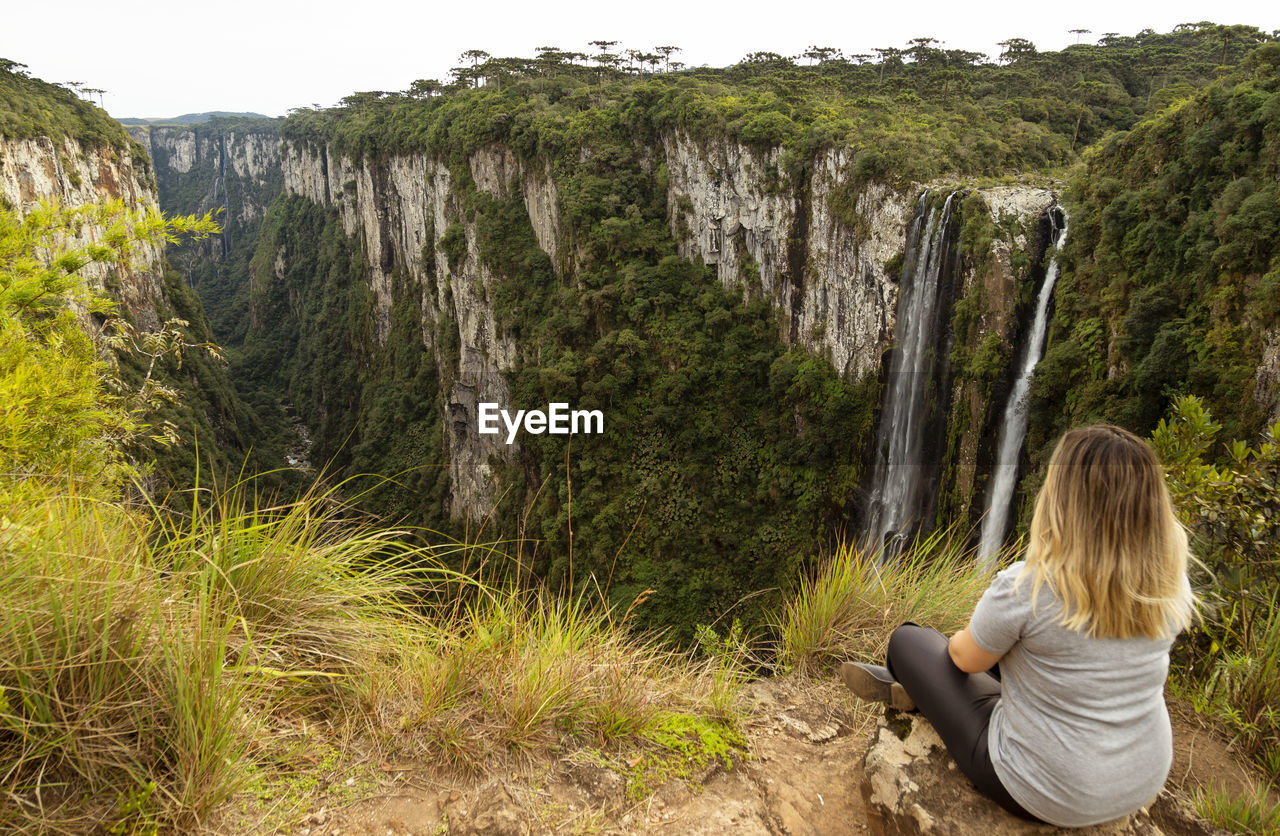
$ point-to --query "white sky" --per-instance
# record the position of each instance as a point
(162, 60)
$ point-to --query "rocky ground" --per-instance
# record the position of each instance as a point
(805, 775)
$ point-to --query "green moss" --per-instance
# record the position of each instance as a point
(684, 746)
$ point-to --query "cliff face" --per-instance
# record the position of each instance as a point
(400, 210)
(731, 207)
(998, 281)
(44, 169)
(1267, 377)
(235, 169)
(831, 271)
(825, 253)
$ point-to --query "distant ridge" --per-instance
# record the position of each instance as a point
(188, 118)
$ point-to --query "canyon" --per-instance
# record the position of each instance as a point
(825, 253)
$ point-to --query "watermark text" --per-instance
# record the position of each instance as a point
(558, 419)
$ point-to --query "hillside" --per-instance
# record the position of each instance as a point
(1170, 296)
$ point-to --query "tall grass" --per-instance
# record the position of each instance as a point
(1253, 814)
(1242, 689)
(148, 663)
(849, 604)
(518, 671)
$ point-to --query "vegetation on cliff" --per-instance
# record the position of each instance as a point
(1230, 666)
(1171, 282)
(66, 410)
(200, 403)
(917, 114)
(31, 108)
(726, 456)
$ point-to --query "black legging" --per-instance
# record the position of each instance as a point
(958, 704)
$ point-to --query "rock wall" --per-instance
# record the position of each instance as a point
(231, 167)
(237, 170)
(231, 170)
(831, 274)
(1266, 389)
(43, 169)
(976, 410)
(399, 210)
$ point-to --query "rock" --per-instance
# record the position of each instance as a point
(491, 811)
(400, 208)
(911, 785)
(1266, 389)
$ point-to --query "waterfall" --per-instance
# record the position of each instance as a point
(1013, 429)
(897, 499)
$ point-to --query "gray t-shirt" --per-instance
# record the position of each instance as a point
(1081, 734)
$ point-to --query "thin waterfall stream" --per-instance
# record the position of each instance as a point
(1013, 428)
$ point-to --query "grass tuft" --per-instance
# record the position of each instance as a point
(1253, 814)
(847, 607)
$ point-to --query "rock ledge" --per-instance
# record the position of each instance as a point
(911, 785)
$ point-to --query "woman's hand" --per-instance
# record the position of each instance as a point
(968, 656)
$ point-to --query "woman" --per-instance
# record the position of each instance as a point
(1072, 729)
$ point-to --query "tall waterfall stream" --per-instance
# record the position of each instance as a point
(897, 500)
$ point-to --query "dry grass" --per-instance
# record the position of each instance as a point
(152, 669)
(847, 607)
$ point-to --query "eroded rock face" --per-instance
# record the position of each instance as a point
(1266, 390)
(911, 785)
(250, 158)
(399, 210)
(823, 251)
(66, 172)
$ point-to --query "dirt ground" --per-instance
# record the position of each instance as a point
(807, 738)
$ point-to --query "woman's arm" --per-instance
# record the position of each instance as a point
(968, 656)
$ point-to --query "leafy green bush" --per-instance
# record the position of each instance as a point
(1233, 511)
(65, 410)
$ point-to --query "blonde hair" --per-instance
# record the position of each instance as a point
(1105, 539)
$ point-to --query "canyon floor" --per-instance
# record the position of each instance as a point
(806, 739)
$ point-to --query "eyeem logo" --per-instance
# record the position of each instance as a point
(557, 420)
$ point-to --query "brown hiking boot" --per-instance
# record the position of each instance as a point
(876, 684)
